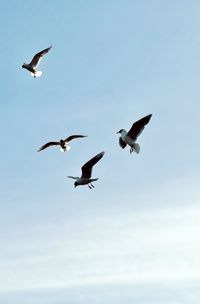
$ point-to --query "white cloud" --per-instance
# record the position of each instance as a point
(141, 247)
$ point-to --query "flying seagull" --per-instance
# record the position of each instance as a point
(63, 143)
(86, 169)
(130, 137)
(35, 62)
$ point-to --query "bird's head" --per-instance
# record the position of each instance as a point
(76, 184)
(23, 65)
(120, 131)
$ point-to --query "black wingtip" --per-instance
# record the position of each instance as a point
(149, 117)
(48, 49)
(100, 155)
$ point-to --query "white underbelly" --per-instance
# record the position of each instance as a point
(129, 141)
(67, 148)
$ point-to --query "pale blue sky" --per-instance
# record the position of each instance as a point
(135, 237)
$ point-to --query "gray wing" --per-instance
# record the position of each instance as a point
(49, 144)
(73, 177)
(37, 58)
(70, 138)
(138, 127)
(122, 143)
(87, 167)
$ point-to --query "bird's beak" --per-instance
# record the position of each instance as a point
(117, 132)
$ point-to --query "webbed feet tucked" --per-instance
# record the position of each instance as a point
(91, 186)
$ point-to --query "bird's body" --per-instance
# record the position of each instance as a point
(129, 138)
(64, 146)
(86, 169)
(63, 143)
(32, 66)
(84, 181)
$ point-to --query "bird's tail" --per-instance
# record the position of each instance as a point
(136, 147)
(36, 74)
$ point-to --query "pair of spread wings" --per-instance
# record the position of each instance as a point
(136, 129)
(87, 167)
(37, 58)
(57, 143)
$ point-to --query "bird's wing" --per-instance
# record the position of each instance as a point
(70, 138)
(138, 127)
(37, 58)
(49, 144)
(122, 143)
(73, 177)
(87, 167)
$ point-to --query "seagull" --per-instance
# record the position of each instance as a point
(63, 143)
(86, 169)
(130, 137)
(35, 62)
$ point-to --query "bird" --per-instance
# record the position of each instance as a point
(31, 67)
(86, 169)
(63, 143)
(130, 137)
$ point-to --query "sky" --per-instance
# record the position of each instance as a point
(135, 237)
